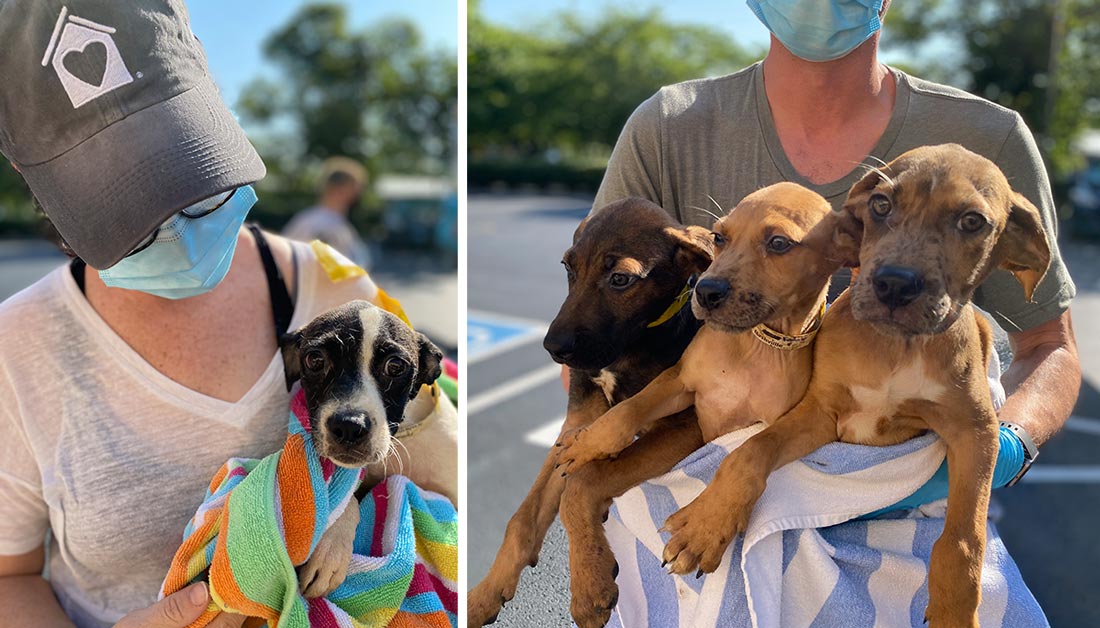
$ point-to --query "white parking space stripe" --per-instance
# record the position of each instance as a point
(547, 435)
(514, 387)
(1083, 425)
(1063, 474)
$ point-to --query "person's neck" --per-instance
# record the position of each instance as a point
(333, 205)
(816, 98)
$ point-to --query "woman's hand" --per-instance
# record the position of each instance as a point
(178, 611)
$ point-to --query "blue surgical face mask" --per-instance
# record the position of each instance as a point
(819, 30)
(188, 256)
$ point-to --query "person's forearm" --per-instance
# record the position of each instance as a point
(29, 601)
(1044, 379)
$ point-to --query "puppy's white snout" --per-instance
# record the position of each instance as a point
(349, 429)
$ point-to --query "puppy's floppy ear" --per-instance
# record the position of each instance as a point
(694, 247)
(845, 233)
(288, 346)
(580, 228)
(1023, 248)
(428, 369)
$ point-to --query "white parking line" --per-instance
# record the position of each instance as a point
(546, 435)
(513, 387)
(1083, 425)
(1062, 474)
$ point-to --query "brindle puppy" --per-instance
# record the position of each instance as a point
(628, 264)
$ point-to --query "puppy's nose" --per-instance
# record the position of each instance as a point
(897, 286)
(560, 346)
(710, 293)
(345, 430)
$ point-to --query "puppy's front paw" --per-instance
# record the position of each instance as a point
(595, 442)
(326, 569)
(701, 532)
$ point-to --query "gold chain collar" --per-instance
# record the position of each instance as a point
(784, 342)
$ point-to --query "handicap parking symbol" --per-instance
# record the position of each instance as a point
(488, 334)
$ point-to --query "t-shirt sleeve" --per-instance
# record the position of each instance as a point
(1001, 295)
(635, 165)
(24, 516)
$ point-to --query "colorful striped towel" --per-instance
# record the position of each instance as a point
(805, 560)
(262, 518)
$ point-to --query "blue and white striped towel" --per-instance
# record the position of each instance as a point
(805, 561)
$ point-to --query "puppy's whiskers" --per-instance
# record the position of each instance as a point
(705, 211)
(870, 168)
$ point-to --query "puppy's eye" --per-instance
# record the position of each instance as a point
(569, 274)
(620, 280)
(719, 239)
(779, 244)
(880, 205)
(395, 367)
(315, 361)
(971, 222)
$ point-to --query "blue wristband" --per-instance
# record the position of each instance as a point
(1010, 459)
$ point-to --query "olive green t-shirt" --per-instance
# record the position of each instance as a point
(716, 138)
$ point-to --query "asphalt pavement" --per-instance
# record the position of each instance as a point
(516, 404)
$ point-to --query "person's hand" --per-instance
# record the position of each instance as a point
(178, 611)
(1010, 459)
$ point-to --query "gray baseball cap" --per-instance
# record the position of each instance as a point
(108, 110)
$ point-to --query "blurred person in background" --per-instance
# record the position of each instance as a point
(342, 183)
(128, 376)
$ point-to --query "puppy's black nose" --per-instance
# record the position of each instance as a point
(897, 286)
(345, 430)
(710, 293)
(560, 346)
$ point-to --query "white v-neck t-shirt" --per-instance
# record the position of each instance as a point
(111, 455)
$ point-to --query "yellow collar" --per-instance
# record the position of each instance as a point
(674, 309)
(783, 342)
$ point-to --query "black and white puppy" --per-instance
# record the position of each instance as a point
(359, 366)
(367, 379)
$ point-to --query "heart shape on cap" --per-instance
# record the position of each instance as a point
(88, 64)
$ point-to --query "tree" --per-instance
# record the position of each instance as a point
(569, 85)
(375, 94)
(1037, 57)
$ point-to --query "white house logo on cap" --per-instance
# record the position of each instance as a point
(74, 37)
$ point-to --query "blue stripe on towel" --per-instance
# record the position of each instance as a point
(928, 530)
(791, 541)
(735, 605)
(841, 458)
(662, 606)
(850, 602)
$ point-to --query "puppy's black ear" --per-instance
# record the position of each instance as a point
(695, 247)
(288, 346)
(429, 368)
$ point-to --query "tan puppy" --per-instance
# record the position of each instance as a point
(761, 301)
(902, 351)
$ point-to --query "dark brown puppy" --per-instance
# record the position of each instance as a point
(902, 351)
(623, 322)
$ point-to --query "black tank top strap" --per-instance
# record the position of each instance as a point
(76, 267)
(282, 306)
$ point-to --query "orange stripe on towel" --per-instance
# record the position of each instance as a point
(294, 488)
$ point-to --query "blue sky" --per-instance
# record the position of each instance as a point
(233, 32)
